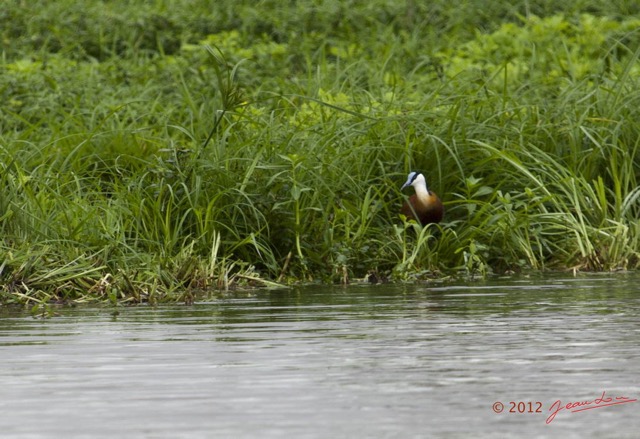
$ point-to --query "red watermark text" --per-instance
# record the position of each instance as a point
(580, 406)
(558, 406)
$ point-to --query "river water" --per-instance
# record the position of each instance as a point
(492, 359)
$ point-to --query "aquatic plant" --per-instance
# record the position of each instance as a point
(196, 150)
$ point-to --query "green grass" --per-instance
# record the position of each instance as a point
(156, 152)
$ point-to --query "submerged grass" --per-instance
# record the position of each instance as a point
(156, 153)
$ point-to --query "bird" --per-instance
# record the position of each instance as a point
(423, 206)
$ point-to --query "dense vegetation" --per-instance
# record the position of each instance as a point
(153, 150)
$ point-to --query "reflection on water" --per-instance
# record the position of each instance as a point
(376, 361)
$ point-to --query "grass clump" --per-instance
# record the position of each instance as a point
(154, 152)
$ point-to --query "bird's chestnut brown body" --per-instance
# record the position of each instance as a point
(424, 206)
(427, 212)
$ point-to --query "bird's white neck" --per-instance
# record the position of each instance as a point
(420, 186)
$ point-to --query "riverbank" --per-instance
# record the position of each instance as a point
(153, 152)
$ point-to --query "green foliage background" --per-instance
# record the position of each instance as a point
(152, 150)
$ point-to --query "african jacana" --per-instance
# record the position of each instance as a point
(424, 204)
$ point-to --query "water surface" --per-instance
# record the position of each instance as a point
(377, 361)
